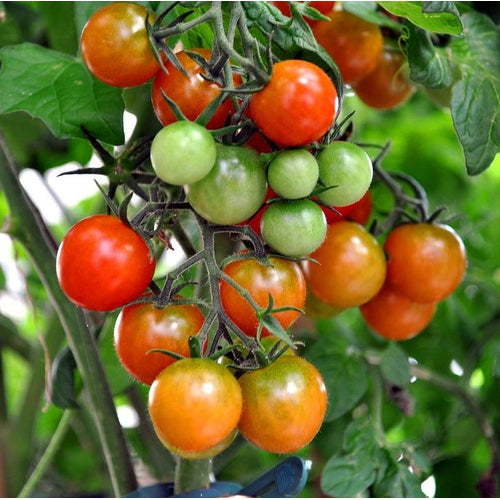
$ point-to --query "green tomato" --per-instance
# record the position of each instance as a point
(293, 173)
(294, 228)
(347, 169)
(183, 152)
(233, 190)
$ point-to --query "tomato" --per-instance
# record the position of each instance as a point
(396, 317)
(192, 93)
(361, 210)
(254, 221)
(233, 190)
(140, 328)
(183, 152)
(284, 405)
(294, 228)
(316, 308)
(426, 262)
(321, 6)
(115, 45)
(350, 268)
(283, 280)
(195, 405)
(103, 264)
(354, 44)
(293, 173)
(347, 169)
(297, 106)
(386, 86)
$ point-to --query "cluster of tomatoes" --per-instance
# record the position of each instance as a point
(304, 196)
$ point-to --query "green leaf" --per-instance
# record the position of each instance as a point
(475, 102)
(394, 365)
(429, 65)
(399, 482)
(443, 17)
(57, 15)
(63, 392)
(345, 376)
(63, 94)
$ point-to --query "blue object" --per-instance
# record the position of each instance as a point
(286, 480)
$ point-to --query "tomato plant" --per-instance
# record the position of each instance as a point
(349, 268)
(192, 91)
(396, 317)
(140, 328)
(304, 94)
(346, 169)
(290, 391)
(282, 280)
(183, 152)
(426, 262)
(387, 86)
(233, 190)
(353, 43)
(103, 264)
(115, 45)
(195, 405)
(294, 228)
(322, 6)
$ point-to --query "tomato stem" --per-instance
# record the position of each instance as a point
(192, 475)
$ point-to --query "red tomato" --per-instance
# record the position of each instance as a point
(361, 210)
(284, 405)
(350, 267)
(386, 86)
(195, 405)
(396, 317)
(353, 43)
(297, 106)
(103, 264)
(115, 45)
(191, 93)
(283, 279)
(426, 262)
(142, 327)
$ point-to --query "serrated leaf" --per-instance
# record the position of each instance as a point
(58, 89)
(345, 376)
(475, 102)
(394, 365)
(398, 482)
(440, 18)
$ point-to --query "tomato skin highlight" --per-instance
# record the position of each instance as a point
(192, 93)
(284, 405)
(142, 327)
(394, 316)
(284, 280)
(297, 106)
(426, 262)
(195, 405)
(115, 45)
(351, 266)
(103, 264)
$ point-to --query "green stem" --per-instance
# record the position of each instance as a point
(28, 227)
(48, 455)
(192, 475)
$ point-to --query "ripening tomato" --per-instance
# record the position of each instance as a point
(115, 45)
(140, 328)
(283, 280)
(396, 317)
(353, 43)
(350, 266)
(297, 106)
(426, 262)
(192, 93)
(387, 85)
(103, 264)
(195, 405)
(284, 405)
